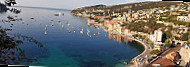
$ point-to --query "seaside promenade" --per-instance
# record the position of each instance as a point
(140, 60)
(144, 55)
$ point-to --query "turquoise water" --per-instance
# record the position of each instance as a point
(62, 48)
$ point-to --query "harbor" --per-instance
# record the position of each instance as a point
(69, 40)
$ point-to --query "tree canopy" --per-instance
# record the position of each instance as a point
(10, 2)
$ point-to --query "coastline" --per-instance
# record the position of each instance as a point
(133, 62)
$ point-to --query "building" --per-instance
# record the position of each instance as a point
(163, 62)
(183, 18)
(110, 27)
(183, 29)
(127, 32)
(185, 54)
(156, 38)
(174, 57)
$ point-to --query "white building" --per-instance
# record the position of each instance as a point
(156, 37)
(183, 18)
(127, 32)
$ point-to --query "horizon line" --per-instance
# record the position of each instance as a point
(47, 8)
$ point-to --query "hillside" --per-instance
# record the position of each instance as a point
(126, 7)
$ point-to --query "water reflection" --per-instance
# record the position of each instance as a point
(10, 52)
(70, 41)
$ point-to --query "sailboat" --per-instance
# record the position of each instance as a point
(87, 33)
(46, 27)
(62, 26)
(45, 33)
(81, 31)
(52, 24)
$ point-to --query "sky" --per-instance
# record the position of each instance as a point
(71, 4)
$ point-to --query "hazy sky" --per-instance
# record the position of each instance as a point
(71, 4)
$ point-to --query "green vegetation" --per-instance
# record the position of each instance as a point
(10, 2)
(146, 27)
(188, 43)
(10, 49)
(173, 18)
(3, 7)
(167, 44)
(185, 37)
(154, 51)
(137, 35)
(126, 7)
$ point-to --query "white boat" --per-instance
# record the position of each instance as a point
(68, 24)
(81, 31)
(46, 27)
(87, 34)
(45, 33)
(62, 26)
(52, 24)
(88, 31)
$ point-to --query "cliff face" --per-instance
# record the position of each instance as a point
(126, 7)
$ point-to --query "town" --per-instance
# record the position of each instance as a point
(162, 27)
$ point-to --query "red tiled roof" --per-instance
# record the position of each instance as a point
(164, 62)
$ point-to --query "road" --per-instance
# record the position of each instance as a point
(145, 54)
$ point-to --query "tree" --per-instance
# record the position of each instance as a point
(10, 2)
(154, 51)
(167, 44)
(185, 37)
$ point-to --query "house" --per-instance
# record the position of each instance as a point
(127, 32)
(106, 22)
(110, 27)
(174, 13)
(163, 62)
(122, 30)
(183, 18)
(182, 29)
(119, 29)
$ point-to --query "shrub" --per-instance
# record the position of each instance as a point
(154, 51)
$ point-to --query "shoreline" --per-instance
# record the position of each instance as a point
(145, 50)
(133, 62)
